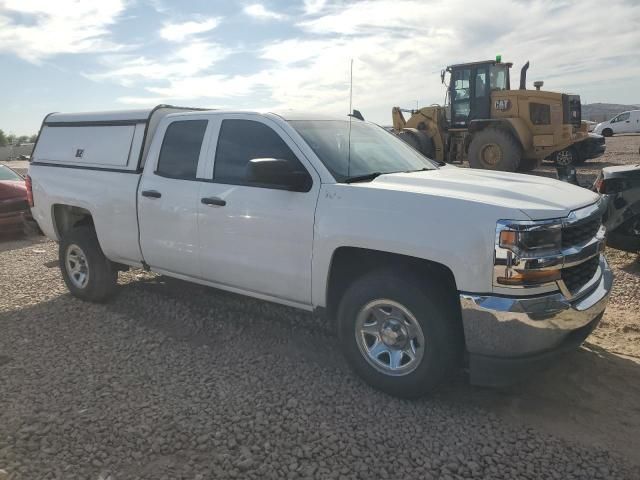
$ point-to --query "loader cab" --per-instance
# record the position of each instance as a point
(470, 87)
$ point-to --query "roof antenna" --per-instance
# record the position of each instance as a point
(350, 118)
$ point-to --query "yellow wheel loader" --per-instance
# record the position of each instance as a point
(494, 127)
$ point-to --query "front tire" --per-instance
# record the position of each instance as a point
(397, 333)
(494, 149)
(88, 274)
(566, 157)
(607, 132)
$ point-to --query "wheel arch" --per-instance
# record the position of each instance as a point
(65, 217)
(349, 263)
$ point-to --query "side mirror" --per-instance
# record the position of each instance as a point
(279, 173)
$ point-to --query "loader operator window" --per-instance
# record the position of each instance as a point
(460, 96)
(498, 74)
(181, 149)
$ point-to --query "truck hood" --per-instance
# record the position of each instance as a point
(536, 197)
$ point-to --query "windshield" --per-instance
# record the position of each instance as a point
(7, 174)
(373, 149)
(498, 75)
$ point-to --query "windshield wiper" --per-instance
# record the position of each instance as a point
(362, 178)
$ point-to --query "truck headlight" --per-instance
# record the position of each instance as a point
(527, 253)
(533, 240)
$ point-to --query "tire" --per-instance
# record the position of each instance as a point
(419, 141)
(626, 237)
(528, 164)
(409, 303)
(79, 252)
(566, 157)
(494, 149)
(607, 132)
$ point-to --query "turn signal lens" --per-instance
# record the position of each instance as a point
(531, 277)
(29, 186)
(508, 239)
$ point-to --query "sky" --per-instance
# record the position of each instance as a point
(82, 55)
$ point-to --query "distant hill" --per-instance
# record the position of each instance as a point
(599, 112)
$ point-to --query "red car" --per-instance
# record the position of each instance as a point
(14, 206)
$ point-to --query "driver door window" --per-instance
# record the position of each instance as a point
(241, 141)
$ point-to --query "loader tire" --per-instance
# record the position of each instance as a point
(493, 149)
(419, 141)
(529, 164)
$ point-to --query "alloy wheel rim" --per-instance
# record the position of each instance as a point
(389, 337)
(77, 266)
(564, 158)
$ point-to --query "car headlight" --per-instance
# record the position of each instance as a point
(527, 253)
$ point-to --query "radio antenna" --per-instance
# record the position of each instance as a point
(350, 118)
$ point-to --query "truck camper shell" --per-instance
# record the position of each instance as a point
(111, 140)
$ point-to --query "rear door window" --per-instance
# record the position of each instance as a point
(181, 149)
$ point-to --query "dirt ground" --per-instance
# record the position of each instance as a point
(588, 404)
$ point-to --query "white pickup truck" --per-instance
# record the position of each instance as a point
(424, 267)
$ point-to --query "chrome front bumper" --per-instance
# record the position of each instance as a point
(498, 328)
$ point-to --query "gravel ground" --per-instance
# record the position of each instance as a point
(176, 381)
(172, 380)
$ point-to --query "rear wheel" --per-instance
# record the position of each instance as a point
(607, 132)
(397, 333)
(89, 275)
(493, 149)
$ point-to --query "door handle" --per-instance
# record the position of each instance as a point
(213, 201)
(151, 193)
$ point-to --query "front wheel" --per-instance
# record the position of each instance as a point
(566, 157)
(607, 132)
(397, 333)
(88, 274)
(494, 149)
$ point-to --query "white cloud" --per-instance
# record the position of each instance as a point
(399, 48)
(34, 30)
(312, 7)
(188, 61)
(257, 10)
(178, 32)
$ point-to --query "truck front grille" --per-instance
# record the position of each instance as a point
(581, 232)
(576, 277)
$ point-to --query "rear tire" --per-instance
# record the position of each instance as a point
(89, 275)
(607, 132)
(397, 333)
(494, 149)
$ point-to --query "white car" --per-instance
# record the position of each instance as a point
(422, 265)
(625, 122)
